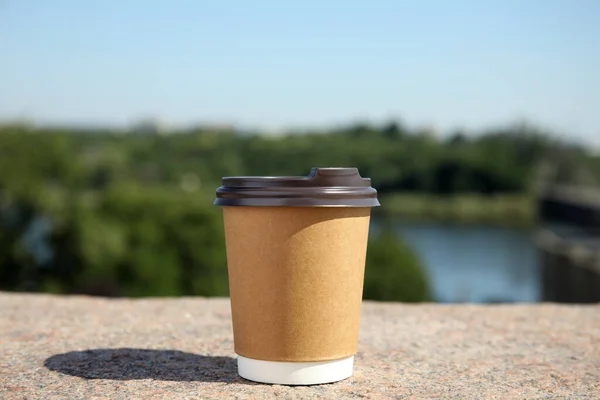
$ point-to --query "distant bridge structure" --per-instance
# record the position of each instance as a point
(569, 240)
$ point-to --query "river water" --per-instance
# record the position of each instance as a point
(467, 263)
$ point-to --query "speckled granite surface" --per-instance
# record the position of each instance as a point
(91, 348)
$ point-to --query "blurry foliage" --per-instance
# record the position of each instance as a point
(111, 213)
(393, 271)
(510, 210)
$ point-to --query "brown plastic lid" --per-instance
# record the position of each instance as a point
(323, 187)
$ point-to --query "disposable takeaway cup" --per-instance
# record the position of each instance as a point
(296, 249)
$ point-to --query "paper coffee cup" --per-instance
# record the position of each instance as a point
(296, 249)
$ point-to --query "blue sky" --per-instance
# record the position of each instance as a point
(450, 64)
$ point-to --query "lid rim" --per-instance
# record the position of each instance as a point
(291, 203)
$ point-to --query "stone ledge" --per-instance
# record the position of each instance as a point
(84, 348)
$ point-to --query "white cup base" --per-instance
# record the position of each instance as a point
(295, 373)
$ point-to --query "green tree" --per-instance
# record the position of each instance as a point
(393, 271)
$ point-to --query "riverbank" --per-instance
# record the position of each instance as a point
(80, 347)
(499, 210)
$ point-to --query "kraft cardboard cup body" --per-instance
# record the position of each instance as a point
(296, 270)
(296, 278)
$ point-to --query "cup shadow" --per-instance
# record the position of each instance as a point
(132, 364)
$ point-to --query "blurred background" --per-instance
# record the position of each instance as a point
(477, 121)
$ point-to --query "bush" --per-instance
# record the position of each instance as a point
(127, 241)
(393, 271)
